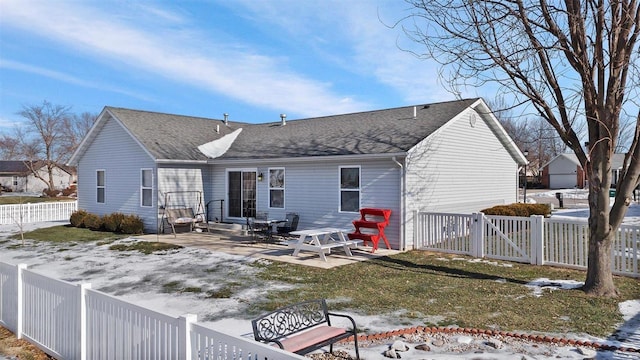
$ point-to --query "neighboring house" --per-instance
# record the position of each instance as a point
(449, 156)
(17, 176)
(565, 172)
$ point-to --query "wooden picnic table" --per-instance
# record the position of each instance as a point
(322, 240)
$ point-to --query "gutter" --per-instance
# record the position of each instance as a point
(299, 159)
(403, 245)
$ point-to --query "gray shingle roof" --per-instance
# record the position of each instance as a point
(176, 137)
(13, 167)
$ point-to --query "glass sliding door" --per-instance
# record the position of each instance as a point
(242, 193)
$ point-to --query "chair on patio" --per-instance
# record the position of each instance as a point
(258, 231)
(289, 224)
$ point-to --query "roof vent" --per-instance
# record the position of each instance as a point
(415, 112)
(218, 128)
(283, 119)
(426, 106)
(226, 118)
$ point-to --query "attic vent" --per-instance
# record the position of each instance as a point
(283, 119)
(226, 118)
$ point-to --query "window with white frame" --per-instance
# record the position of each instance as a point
(276, 188)
(349, 188)
(100, 185)
(146, 187)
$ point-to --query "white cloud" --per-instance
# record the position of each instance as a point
(367, 45)
(14, 65)
(177, 53)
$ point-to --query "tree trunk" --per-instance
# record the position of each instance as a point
(599, 280)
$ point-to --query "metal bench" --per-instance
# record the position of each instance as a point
(303, 327)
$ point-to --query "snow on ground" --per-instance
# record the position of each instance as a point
(151, 281)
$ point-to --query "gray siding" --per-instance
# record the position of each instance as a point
(312, 191)
(460, 168)
(122, 159)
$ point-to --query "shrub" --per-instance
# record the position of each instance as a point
(113, 222)
(77, 218)
(93, 222)
(132, 224)
(518, 209)
(502, 210)
(51, 192)
(72, 189)
(539, 209)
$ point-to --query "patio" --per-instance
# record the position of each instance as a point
(234, 242)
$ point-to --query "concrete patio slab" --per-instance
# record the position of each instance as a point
(233, 243)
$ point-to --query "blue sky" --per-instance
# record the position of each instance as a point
(253, 59)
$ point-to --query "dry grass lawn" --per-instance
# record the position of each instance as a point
(18, 348)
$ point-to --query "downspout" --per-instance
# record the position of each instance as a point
(403, 245)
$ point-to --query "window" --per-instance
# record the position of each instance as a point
(100, 186)
(146, 187)
(276, 188)
(349, 189)
(15, 180)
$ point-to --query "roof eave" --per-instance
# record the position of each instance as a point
(307, 158)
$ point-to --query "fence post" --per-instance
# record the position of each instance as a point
(416, 229)
(20, 311)
(82, 293)
(184, 333)
(537, 239)
(478, 235)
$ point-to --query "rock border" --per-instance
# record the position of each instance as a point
(530, 337)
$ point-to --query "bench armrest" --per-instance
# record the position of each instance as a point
(353, 322)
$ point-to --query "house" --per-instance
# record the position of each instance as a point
(565, 172)
(448, 156)
(17, 176)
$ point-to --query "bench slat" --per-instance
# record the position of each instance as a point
(309, 338)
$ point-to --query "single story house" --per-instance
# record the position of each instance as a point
(18, 176)
(449, 156)
(565, 172)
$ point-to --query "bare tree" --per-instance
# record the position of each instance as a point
(44, 143)
(572, 63)
(9, 147)
(76, 127)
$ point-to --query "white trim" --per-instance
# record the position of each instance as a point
(269, 188)
(226, 189)
(142, 187)
(340, 190)
(103, 187)
(288, 160)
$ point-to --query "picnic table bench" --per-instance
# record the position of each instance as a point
(303, 327)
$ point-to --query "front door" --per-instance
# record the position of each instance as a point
(242, 194)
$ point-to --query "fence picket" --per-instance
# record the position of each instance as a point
(36, 212)
(536, 240)
(70, 321)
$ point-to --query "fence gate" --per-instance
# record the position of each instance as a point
(497, 237)
(507, 238)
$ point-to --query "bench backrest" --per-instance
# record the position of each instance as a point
(290, 320)
(383, 214)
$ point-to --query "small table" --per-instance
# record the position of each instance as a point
(271, 225)
(322, 241)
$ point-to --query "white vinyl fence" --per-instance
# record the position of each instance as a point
(37, 212)
(70, 321)
(536, 239)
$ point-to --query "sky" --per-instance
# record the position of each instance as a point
(252, 59)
